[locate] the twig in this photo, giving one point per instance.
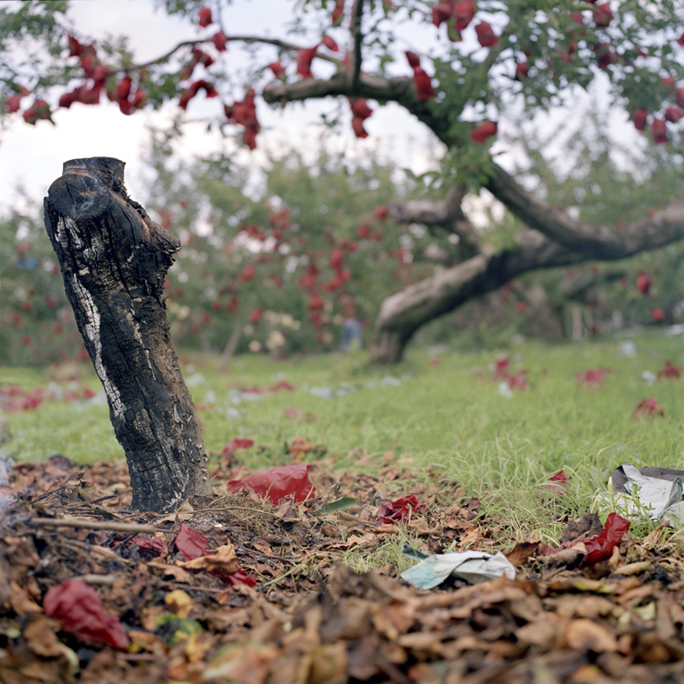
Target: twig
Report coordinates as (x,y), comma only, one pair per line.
(92,524)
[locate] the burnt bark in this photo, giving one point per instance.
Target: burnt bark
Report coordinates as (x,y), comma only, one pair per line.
(114,260)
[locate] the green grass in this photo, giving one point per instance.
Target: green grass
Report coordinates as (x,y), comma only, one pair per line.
(448,417)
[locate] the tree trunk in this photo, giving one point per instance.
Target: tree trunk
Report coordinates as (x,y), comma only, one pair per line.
(114,260)
(402,314)
(230,347)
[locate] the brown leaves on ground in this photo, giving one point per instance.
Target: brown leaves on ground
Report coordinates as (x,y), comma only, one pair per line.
(310,619)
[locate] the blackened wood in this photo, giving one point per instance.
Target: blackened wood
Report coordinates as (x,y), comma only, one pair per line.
(114,260)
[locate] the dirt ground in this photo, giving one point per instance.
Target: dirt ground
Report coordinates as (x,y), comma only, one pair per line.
(236,589)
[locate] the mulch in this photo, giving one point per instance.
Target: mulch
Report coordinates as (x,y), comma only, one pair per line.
(307,617)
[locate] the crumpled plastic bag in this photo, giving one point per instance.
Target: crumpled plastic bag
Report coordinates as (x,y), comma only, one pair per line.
(471,566)
(656,491)
(275,484)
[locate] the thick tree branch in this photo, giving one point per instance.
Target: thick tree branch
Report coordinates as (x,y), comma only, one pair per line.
(402,314)
(282,44)
(446,214)
(357,57)
(594,241)
(398,89)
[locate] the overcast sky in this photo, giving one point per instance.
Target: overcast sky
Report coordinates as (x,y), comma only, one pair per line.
(32,156)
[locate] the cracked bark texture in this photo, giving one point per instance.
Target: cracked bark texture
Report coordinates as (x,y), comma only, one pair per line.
(114,260)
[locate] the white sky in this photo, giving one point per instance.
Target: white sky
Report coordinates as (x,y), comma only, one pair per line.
(32,156)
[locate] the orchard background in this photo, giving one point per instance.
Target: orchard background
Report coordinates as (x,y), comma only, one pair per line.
(580,102)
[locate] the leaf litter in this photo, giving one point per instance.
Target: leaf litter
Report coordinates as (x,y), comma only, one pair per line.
(246,589)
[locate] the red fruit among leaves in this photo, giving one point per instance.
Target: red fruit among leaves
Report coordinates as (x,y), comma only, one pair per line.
(277,69)
(413,59)
(485,34)
(424,89)
(205,17)
(304,58)
(463,14)
(521,71)
(357,127)
(643,283)
(248,272)
(256,314)
(648,408)
(604,55)
(79,610)
(330,43)
(658,315)
(360,108)
(39,110)
(602,15)
(14,101)
(674,113)
(442,12)
(659,131)
(220,40)
(192,90)
(640,118)
(483,131)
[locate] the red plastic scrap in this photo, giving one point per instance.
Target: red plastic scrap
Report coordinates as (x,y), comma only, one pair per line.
(669,370)
(235,579)
(501,368)
(560,483)
(398,510)
(282,386)
(275,484)
(149,548)
(236,444)
(191,543)
(592,377)
(79,610)
(648,407)
(600,547)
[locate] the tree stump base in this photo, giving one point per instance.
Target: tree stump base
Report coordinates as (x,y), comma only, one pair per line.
(114,261)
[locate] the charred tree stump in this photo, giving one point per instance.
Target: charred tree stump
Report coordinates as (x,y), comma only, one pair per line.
(114,260)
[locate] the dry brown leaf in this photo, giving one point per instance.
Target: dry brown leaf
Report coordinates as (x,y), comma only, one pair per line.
(541,633)
(299,446)
(582,606)
(586,635)
(521,553)
(223,559)
(179,603)
(566,557)
(41,637)
(21,602)
(328,664)
(174,571)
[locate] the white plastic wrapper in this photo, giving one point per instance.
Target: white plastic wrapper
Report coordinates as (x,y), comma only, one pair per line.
(471,566)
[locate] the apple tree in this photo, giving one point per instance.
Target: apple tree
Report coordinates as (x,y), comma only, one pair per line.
(456,65)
